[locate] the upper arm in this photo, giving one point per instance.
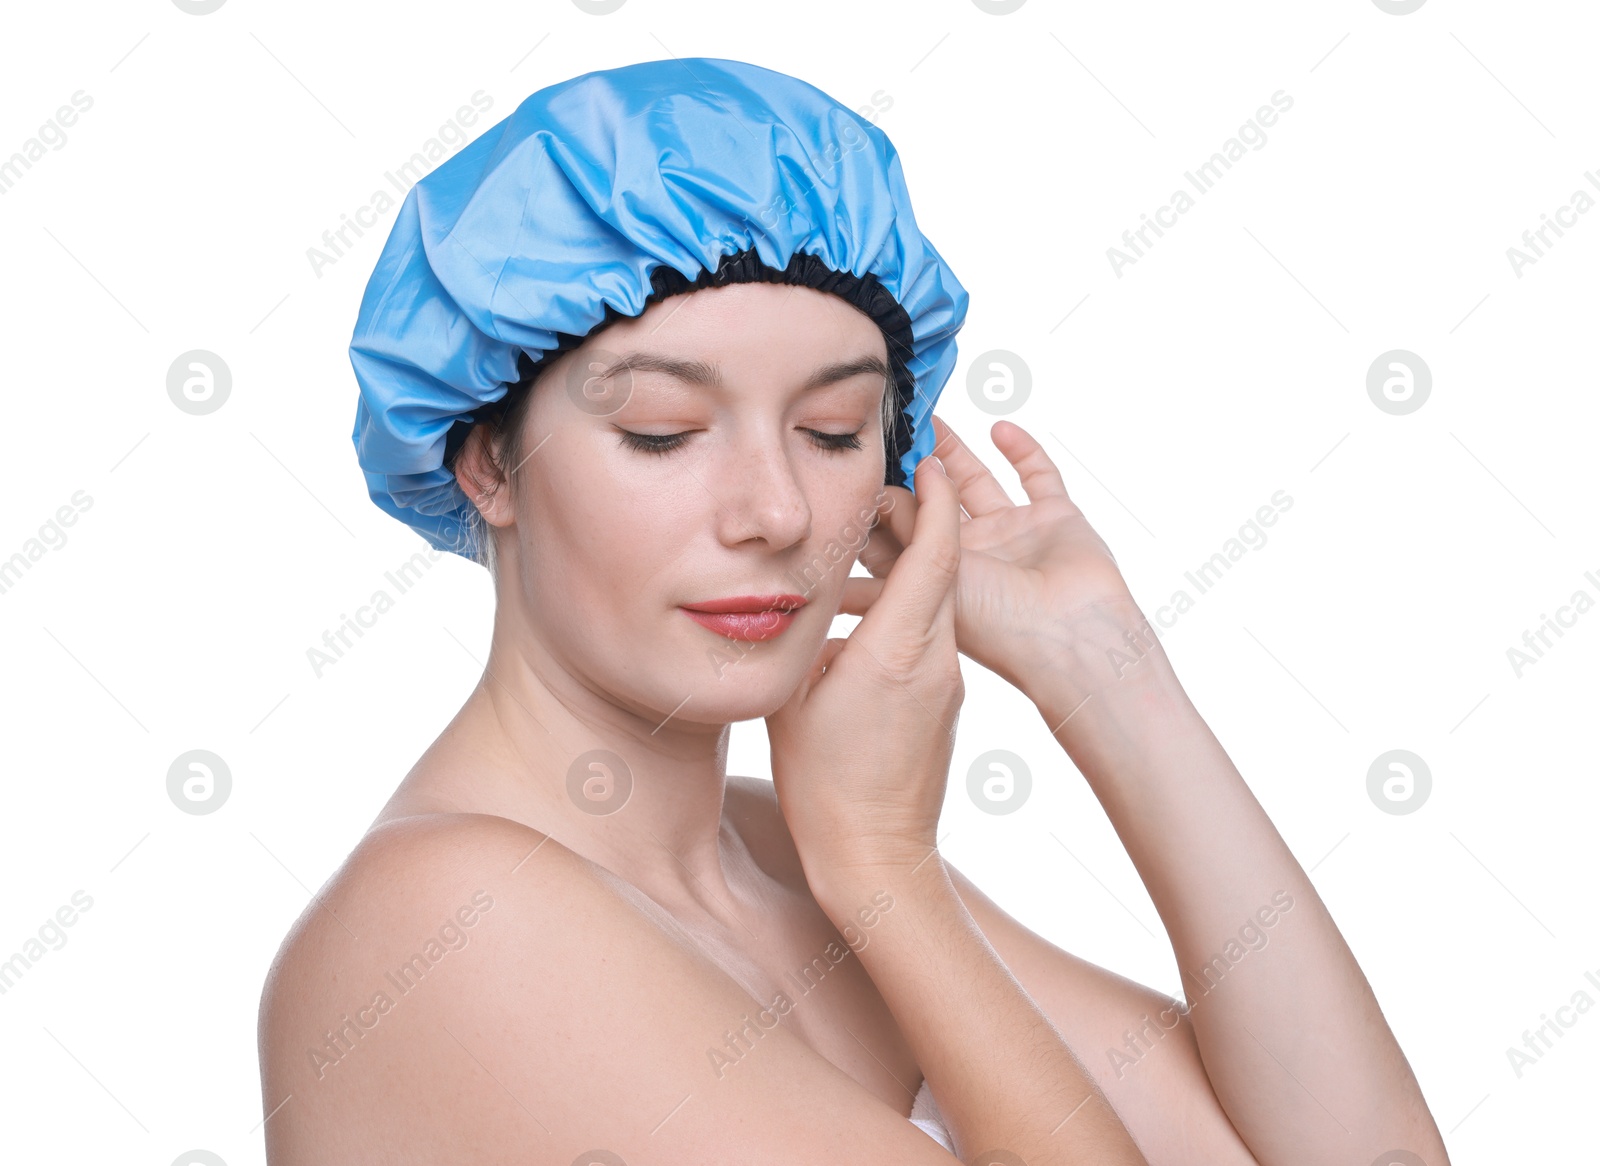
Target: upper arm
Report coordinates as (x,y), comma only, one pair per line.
(544,1014)
(1156,1081)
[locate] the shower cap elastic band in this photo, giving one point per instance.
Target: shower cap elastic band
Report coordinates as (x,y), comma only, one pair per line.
(601,195)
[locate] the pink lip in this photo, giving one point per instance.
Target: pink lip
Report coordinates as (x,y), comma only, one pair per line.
(749,603)
(746,617)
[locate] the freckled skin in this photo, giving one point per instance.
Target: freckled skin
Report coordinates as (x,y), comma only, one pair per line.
(646,906)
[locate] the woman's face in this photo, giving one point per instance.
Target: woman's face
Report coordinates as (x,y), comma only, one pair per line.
(756,469)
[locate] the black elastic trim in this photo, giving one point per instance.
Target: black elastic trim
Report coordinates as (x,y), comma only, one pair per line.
(864,293)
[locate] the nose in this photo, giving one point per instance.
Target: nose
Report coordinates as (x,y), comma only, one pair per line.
(759,497)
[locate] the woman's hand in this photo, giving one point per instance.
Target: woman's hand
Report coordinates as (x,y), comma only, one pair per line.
(1026,571)
(861,750)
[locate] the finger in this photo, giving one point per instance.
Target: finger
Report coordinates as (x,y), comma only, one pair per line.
(917,603)
(1038,473)
(880,551)
(980,492)
(819,665)
(859,595)
(897,514)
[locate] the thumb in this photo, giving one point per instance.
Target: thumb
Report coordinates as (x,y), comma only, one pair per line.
(917,599)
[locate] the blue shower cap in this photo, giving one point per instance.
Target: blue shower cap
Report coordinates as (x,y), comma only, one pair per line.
(605,193)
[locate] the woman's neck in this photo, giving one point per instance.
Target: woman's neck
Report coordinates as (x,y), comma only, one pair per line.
(644,800)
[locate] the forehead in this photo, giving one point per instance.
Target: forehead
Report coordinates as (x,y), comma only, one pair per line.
(868,371)
(714,336)
(762,311)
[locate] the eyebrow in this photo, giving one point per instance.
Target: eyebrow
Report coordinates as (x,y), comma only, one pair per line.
(700,372)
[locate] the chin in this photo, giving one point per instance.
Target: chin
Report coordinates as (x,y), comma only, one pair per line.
(738,680)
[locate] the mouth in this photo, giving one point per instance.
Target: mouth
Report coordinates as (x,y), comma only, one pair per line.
(753,618)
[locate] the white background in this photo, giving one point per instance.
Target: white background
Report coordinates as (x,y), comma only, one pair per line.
(1227,363)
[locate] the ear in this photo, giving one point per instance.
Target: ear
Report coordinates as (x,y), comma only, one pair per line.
(481,480)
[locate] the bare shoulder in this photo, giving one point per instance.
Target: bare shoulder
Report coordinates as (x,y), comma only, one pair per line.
(402,867)
(466,988)
(424,907)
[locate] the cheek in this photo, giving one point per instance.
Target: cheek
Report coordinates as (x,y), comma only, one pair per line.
(851,508)
(599,534)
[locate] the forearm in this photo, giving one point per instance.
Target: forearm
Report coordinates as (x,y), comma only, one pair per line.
(1291,1036)
(1003,1076)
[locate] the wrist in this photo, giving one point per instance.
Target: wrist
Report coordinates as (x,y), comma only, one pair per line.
(1107,652)
(843,883)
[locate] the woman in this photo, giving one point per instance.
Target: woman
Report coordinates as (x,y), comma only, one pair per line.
(660,350)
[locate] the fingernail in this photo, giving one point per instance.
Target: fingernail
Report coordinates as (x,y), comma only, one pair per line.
(940,464)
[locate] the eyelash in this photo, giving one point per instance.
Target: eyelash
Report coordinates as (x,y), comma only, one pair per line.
(662,443)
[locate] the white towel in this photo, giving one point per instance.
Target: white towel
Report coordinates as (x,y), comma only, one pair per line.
(926,1117)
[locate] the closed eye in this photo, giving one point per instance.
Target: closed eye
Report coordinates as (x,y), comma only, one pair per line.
(661,443)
